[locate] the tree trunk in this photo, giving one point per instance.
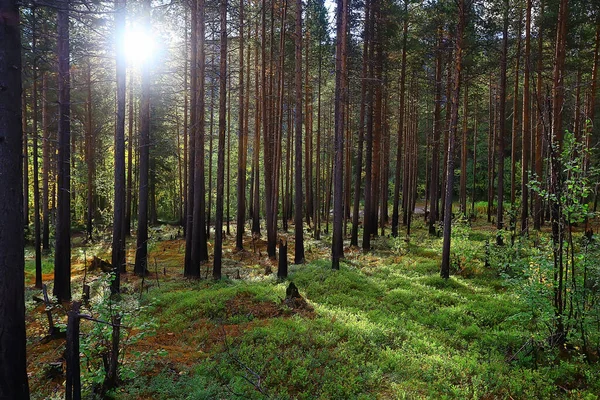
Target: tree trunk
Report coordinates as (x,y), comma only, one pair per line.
(538,214)
(141,254)
(298,228)
(36,180)
(361,130)
(118,240)
(199,251)
(218,255)
(13,360)
(463,153)
(62,259)
(445,269)
(526,127)
(502,126)
(130,147)
(396,208)
(337,248)
(46,167)
(242,150)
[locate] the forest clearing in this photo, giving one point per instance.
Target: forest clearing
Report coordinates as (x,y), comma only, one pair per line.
(384,326)
(299,199)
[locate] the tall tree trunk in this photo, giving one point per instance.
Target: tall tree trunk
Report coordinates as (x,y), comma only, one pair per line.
(502,126)
(463,153)
(337,248)
(538,215)
(526,127)
(445,269)
(490,153)
(396,207)
(141,254)
(361,129)
(366,242)
(25,148)
(13,360)
(242,150)
(255,193)
(36,178)
(130,147)
(515,128)
(118,240)
(199,252)
(298,228)
(46,167)
(218,256)
(89,154)
(434,191)
(62,259)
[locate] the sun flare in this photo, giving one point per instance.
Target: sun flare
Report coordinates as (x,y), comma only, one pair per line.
(139,45)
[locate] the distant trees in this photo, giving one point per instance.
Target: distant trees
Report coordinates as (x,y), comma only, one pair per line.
(13,375)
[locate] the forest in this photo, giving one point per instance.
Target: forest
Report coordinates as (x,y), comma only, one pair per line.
(299,199)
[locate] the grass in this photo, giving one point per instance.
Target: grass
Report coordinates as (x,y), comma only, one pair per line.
(383,326)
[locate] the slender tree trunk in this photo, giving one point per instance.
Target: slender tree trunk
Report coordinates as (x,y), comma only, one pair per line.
(118,240)
(515,128)
(502,126)
(463,153)
(130,147)
(13,359)
(258,92)
(490,154)
(526,127)
(46,167)
(366,242)
(25,143)
(199,251)
(361,130)
(141,254)
(62,259)
(36,179)
(242,150)
(445,269)
(218,256)
(337,248)
(298,228)
(434,191)
(538,215)
(89,154)
(396,208)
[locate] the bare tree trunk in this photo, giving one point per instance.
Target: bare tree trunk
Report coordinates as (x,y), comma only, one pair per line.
(141,253)
(218,255)
(199,252)
(337,250)
(242,149)
(361,129)
(62,259)
(526,127)
(118,240)
(538,215)
(463,153)
(13,359)
(502,126)
(130,148)
(434,191)
(396,209)
(298,228)
(445,269)
(46,167)
(36,178)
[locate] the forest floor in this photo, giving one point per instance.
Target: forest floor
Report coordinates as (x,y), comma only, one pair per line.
(384,326)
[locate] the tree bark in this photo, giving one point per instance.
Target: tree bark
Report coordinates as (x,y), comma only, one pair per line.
(298,197)
(141,254)
(13,360)
(218,255)
(337,250)
(502,126)
(526,127)
(62,259)
(445,269)
(118,240)
(242,150)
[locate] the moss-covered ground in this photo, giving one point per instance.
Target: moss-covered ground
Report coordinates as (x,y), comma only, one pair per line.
(384,326)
